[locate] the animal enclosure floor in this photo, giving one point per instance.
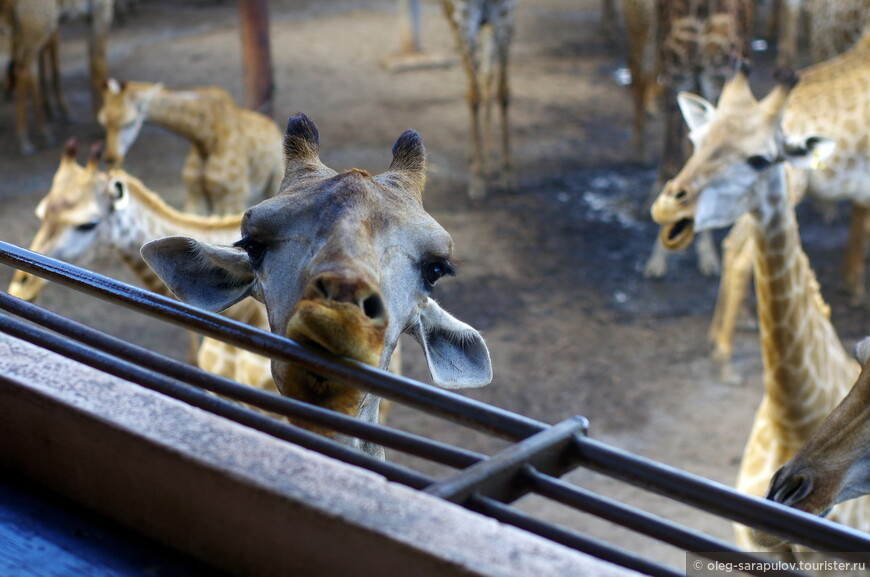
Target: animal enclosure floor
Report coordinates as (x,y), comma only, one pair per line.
(550,261)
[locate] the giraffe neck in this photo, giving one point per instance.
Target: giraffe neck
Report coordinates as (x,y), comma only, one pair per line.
(189,113)
(147,217)
(806,369)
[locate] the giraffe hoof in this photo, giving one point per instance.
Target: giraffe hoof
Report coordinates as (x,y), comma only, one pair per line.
(26,147)
(477,188)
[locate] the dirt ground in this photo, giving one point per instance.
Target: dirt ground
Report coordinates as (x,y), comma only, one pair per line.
(551,260)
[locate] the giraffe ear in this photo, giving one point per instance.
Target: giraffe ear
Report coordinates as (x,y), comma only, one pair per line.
(119,194)
(862,350)
(809,152)
(207,276)
(696,111)
(408,169)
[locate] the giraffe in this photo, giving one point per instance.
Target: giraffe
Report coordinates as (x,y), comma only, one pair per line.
(343,261)
(491,24)
(34,26)
(831,98)
(834,465)
(235,154)
(87,210)
(738,168)
(697,42)
(832,27)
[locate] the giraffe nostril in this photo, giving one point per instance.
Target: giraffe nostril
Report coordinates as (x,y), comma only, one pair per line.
(373,307)
(681,194)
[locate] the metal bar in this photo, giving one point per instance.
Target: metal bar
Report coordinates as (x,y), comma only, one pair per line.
(720,500)
(198,398)
(496,477)
(569,538)
(392,438)
(445,404)
(637,520)
(696,491)
(257,55)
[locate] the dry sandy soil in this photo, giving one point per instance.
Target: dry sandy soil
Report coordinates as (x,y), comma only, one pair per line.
(551,259)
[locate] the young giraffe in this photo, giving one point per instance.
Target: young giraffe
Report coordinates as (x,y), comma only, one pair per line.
(697,42)
(834,465)
(737,168)
(235,156)
(346,262)
(87,210)
(490,23)
(831,98)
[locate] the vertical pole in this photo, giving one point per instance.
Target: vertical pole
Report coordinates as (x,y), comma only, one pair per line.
(256,55)
(409,27)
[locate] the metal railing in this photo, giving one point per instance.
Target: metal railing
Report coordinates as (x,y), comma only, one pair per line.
(539,456)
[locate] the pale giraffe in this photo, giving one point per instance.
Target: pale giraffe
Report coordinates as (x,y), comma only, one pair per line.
(738,167)
(834,465)
(831,98)
(33,25)
(698,40)
(344,261)
(87,210)
(483,30)
(235,157)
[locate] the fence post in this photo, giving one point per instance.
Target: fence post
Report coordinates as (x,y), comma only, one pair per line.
(256,55)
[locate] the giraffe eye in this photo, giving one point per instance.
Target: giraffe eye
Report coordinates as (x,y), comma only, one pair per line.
(758,162)
(434,270)
(88,226)
(256,250)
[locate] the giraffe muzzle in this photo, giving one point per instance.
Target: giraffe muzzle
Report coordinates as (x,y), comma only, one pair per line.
(344,317)
(678,235)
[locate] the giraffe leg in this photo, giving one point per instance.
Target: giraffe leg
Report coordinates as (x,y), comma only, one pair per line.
(25,88)
(487,69)
(60,97)
(503,40)
(657,263)
(708,260)
(50,56)
(468,48)
(737,251)
(477,185)
(854,260)
(102,12)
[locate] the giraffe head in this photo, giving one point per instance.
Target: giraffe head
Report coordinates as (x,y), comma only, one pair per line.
(124,110)
(346,262)
(70,216)
(738,147)
(834,465)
